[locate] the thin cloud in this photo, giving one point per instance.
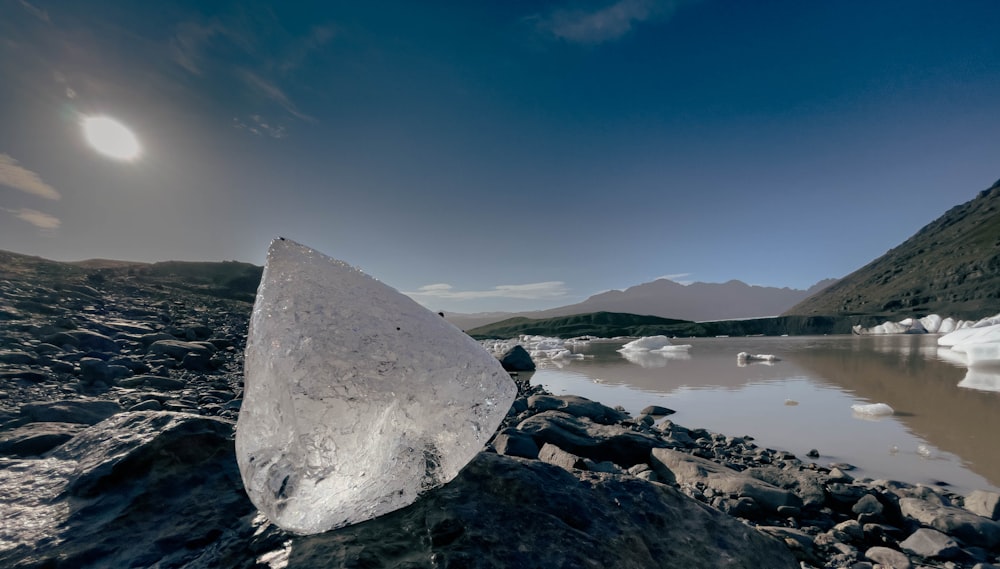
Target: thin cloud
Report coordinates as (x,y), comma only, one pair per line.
(258,125)
(301,48)
(37,218)
(273,92)
(191,40)
(20,178)
(605,24)
(530,291)
(35,11)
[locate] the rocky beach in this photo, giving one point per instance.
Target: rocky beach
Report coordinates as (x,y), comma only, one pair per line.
(120,386)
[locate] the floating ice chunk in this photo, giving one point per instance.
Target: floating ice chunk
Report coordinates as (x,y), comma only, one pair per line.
(677,348)
(872,409)
(646,344)
(357,398)
(981,379)
(748,357)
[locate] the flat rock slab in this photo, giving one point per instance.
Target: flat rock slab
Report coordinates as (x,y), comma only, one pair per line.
(577,407)
(690,469)
(931,544)
(83,411)
(35,439)
(585,438)
(169,477)
(956,522)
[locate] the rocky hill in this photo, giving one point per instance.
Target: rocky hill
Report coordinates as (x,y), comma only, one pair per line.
(665,298)
(950,267)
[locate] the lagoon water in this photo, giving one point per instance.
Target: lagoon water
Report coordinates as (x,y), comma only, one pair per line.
(945,429)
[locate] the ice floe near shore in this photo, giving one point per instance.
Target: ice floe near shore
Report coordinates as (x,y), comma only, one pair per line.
(542,349)
(873,409)
(932,324)
(744,357)
(653,344)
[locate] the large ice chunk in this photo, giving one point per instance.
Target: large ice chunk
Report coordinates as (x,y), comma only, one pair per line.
(357,399)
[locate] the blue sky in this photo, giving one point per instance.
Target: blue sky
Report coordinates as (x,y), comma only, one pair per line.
(499,155)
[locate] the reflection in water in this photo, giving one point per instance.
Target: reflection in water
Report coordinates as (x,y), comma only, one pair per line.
(805,400)
(654,359)
(906,372)
(983,379)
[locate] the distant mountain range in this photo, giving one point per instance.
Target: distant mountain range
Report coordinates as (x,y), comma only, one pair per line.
(950,267)
(668,299)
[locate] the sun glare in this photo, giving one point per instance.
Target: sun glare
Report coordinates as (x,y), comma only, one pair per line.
(111,138)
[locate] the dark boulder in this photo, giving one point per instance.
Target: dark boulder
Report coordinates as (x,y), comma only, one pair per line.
(517,359)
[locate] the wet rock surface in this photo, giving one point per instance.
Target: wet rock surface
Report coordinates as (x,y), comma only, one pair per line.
(114,453)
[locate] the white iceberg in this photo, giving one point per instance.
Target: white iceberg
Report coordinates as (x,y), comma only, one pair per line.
(872,409)
(748,357)
(651,344)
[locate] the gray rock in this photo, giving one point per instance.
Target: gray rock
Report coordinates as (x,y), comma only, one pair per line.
(982,503)
(517,359)
(852,529)
(148,405)
(552,454)
(956,522)
(34,439)
(82,411)
(94,370)
(512,442)
(148,339)
(657,411)
(868,504)
(931,543)
(690,469)
(584,438)
(89,340)
(197,361)
(17,357)
(154,382)
(578,407)
(805,484)
(177,349)
(888,558)
(137,474)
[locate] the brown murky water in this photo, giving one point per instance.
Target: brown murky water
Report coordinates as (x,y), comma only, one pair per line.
(944,430)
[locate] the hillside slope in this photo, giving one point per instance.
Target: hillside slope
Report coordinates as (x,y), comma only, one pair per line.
(950,267)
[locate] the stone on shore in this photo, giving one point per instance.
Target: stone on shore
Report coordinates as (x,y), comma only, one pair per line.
(982,503)
(516,359)
(690,469)
(585,438)
(966,526)
(931,543)
(84,411)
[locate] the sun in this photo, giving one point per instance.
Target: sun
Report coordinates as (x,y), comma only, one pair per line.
(111,138)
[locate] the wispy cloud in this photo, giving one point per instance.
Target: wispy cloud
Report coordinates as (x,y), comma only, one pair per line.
(20,178)
(35,11)
(37,218)
(191,40)
(273,92)
(301,48)
(256,124)
(530,291)
(607,23)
